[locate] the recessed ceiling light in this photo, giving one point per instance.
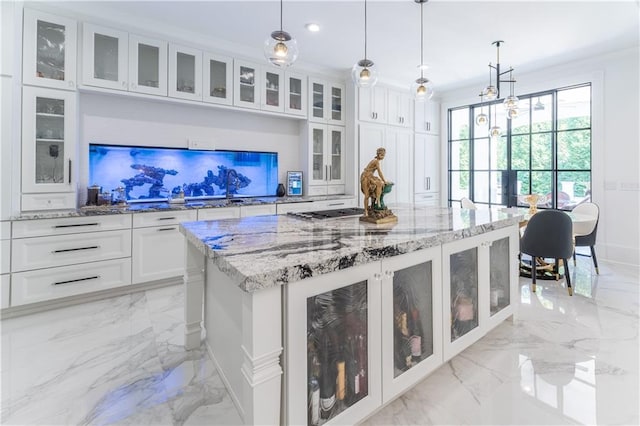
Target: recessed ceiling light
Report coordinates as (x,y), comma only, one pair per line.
(314,28)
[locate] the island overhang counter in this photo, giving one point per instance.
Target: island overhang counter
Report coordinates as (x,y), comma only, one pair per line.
(352,313)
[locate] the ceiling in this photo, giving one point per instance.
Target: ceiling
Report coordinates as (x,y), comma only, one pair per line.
(457,34)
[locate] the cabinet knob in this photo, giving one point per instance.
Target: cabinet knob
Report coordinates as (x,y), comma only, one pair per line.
(377,276)
(389,274)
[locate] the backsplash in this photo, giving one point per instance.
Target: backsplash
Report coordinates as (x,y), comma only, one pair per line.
(154,173)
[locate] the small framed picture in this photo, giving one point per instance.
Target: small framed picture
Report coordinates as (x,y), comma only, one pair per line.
(294,184)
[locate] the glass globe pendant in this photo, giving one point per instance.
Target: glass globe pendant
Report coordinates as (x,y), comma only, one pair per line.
(364,73)
(512,113)
(495,132)
(482,119)
(422,88)
(490,93)
(280,48)
(510,102)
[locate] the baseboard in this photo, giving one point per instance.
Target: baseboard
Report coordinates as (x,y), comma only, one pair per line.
(64,302)
(618,254)
(227,385)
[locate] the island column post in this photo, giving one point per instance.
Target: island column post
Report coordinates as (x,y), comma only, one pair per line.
(194,276)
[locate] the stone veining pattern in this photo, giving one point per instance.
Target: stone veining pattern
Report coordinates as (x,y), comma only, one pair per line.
(264,251)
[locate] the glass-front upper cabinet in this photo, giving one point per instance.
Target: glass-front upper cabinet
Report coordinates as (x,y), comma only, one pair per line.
(412,324)
(295,89)
(247,83)
(185,72)
(336,154)
(326,101)
(147,65)
(273,89)
(333,350)
(104,57)
(218,77)
(49,50)
(48,140)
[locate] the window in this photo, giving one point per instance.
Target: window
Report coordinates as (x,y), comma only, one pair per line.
(545,150)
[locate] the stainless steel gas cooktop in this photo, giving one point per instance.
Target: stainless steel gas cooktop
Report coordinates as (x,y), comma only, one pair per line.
(330,214)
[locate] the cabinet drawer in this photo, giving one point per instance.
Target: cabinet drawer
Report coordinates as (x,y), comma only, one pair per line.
(335,189)
(174,217)
(5,230)
(5,256)
(336,204)
(219,213)
(61,250)
(70,225)
(316,190)
(5,290)
(53,283)
(158,253)
(427,199)
(260,210)
(61,201)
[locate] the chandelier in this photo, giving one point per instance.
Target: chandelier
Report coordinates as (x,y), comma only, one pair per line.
(492,91)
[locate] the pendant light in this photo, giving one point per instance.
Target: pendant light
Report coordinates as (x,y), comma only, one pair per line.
(280,48)
(511,102)
(364,73)
(422,88)
(494,131)
(482,120)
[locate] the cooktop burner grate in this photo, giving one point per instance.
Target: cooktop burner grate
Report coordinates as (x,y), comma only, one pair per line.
(330,214)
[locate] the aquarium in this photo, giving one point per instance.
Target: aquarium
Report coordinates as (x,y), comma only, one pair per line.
(149,174)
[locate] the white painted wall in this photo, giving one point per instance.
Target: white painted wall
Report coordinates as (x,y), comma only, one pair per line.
(130,121)
(615,81)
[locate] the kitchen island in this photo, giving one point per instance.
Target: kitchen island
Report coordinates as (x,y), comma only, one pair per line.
(318,322)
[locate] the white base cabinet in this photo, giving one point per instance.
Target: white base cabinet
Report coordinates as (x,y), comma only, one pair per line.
(5,291)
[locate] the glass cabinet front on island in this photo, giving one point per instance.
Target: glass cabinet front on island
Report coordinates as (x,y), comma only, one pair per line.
(499,270)
(337,358)
(464,292)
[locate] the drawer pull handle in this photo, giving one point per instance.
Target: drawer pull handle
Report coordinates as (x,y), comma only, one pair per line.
(75,249)
(167,229)
(167,218)
(75,225)
(78,280)
(335,204)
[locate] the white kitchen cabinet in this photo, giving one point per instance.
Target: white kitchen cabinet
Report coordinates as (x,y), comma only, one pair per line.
(5,247)
(54,283)
(218,79)
(48,147)
(257,210)
(301,207)
(326,101)
(400,109)
(105,57)
(219,213)
(49,50)
(397,165)
(428,199)
(147,65)
(325,160)
(273,90)
(427,117)
(372,103)
(5,291)
(333,347)
(427,163)
(185,72)
(411,319)
(295,90)
(246,84)
(479,285)
(158,245)
(70,225)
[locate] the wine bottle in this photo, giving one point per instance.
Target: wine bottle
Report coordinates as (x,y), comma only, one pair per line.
(415,341)
(328,375)
(314,402)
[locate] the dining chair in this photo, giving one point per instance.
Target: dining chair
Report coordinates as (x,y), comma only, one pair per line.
(584,232)
(466,203)
(548,235)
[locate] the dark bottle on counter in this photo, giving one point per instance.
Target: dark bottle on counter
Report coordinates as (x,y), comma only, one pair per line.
(328,375)
(280,191)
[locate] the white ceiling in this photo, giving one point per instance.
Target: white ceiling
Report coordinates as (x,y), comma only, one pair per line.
(458,34)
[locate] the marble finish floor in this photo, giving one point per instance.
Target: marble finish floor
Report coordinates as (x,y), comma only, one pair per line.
(563,360)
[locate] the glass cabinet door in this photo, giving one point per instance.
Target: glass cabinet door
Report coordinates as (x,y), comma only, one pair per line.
(247,82)
(500,275)
(295,94)
(317,101)
(273,91)
(147,65)
(49,50)
(336,152)
(217,79)
(463,294)
(185,72)
(48,140)
(105,59)
(336,103)
(318,165)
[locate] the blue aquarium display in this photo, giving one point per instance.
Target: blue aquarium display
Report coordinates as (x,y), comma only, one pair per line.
(149,174)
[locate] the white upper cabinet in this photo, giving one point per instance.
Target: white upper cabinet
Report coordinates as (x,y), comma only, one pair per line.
(326,101)
(218,79)
(147,65)
(400,109)
(49,50)
(273,90)
(185,72)
(427,117)
(373,104)
(247,83)
(426,161)
(295,92)
(104,57)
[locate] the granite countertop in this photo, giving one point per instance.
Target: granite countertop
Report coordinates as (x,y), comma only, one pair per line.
(158,206)
(265,251)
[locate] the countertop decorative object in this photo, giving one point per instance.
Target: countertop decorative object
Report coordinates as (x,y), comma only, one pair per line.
(266,251)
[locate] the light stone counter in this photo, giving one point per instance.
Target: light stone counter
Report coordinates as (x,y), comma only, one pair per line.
(265,251)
